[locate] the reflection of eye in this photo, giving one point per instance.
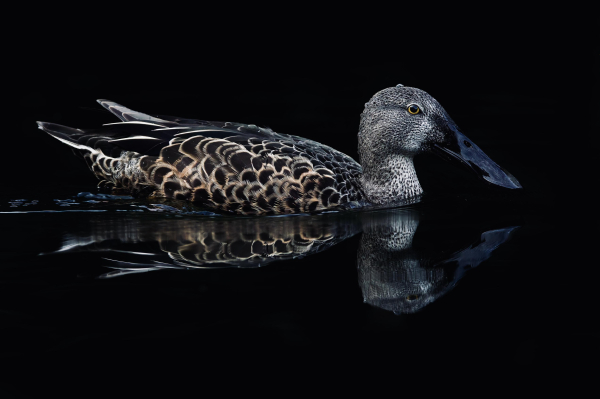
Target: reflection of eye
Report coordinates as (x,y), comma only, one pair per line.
(414,109)
(412,297)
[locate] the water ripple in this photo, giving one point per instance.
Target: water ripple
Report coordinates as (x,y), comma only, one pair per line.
(88,202)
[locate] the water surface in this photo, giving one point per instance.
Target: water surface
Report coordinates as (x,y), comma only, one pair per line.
(91,275)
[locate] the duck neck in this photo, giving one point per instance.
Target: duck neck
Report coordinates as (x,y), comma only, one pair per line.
(390,179)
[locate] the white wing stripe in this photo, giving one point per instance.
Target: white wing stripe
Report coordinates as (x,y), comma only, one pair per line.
(76,145)
(135,138)
(169,128)
(134,123)
(194,131)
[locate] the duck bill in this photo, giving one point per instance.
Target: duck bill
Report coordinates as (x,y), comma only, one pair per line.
(459,148)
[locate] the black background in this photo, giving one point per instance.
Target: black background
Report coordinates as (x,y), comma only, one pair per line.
(520,91)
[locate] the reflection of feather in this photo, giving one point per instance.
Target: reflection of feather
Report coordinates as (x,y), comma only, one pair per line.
(140,244)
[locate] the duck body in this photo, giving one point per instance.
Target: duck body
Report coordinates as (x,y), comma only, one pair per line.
(231,167)
(249,170)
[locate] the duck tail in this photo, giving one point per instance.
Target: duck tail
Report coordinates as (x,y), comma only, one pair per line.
(67,135)
(81,143)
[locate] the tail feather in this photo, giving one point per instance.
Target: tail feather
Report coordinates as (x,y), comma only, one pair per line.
(125,114)
(112,153)
(89,146)
(67,135)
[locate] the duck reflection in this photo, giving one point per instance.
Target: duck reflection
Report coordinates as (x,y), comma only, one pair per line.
(403,264)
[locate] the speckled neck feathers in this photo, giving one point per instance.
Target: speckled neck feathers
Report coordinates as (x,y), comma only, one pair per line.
(389,179)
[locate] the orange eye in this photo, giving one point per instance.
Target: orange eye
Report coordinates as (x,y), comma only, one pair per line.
(414,109)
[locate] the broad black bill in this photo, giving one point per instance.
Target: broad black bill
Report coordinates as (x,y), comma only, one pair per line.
(460,148)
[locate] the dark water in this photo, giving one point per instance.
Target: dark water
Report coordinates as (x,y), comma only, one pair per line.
(90,277)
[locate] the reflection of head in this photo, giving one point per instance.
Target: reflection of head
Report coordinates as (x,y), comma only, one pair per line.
(395,277)
(389,272)
(402,285)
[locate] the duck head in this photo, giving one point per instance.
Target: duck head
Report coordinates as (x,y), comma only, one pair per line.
(401,122)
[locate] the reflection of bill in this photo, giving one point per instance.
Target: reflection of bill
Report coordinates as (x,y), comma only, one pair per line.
(394,274)
(395,277)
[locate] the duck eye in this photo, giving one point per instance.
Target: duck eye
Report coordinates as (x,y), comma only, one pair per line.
(414,109)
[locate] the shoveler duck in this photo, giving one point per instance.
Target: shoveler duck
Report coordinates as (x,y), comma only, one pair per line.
(250,170)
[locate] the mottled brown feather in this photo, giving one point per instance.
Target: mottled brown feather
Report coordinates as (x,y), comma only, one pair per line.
(230,167)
